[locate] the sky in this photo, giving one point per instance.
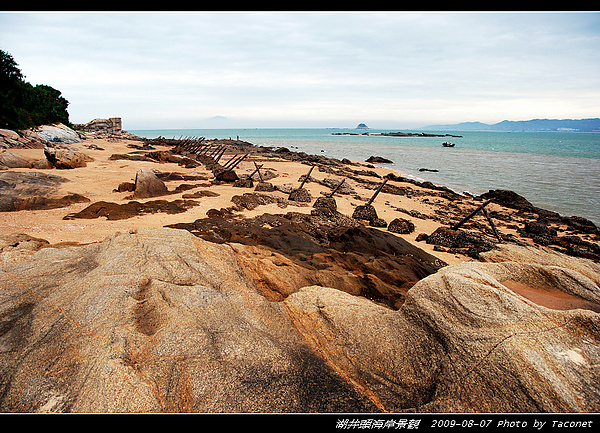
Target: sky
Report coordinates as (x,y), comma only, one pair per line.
(168,70)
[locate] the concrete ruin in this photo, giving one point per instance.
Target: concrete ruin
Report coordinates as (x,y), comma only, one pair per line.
(111,125)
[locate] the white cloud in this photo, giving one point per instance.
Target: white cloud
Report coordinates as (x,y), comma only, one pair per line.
(310,68)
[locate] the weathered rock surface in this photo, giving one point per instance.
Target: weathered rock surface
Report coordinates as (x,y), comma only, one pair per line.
(29,139)
(401,226)
(159,320)
(324,248)
(379,160)
(147,184)
(116,211)
(300,195)
(33,191)
(65,159)
(58,133)
(12,160)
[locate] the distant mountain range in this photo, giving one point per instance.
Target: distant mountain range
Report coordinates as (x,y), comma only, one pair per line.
(576,125)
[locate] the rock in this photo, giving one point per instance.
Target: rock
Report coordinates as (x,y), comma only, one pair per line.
(116,211)
(301,195)
(540,232)
(66,158)
(508,199)
(379,160)
(243,183)
(34,191)
(108,126)
(23,139)
(147,184)
(251,201)
(365,212)
(9,138)
(401,226)
(326,202)
(264,187)
(158,320)
(378,222)
(224,175)
(125,186)
(581,225)
(12,160)
(58,133)
(200,194)
(470,243)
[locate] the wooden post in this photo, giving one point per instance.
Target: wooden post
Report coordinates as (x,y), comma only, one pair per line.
(377,192)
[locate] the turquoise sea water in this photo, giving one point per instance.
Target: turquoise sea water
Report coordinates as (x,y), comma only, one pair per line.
(558,171)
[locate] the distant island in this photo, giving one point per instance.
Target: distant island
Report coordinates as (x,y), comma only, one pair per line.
(362,126)
(534,125)
(397,134)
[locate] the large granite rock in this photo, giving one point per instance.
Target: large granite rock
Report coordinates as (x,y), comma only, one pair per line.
(65,159)
(58,133)
(34,191)
(147,184)
(160,320)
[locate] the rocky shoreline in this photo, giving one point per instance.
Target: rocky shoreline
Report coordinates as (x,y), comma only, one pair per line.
(198,275)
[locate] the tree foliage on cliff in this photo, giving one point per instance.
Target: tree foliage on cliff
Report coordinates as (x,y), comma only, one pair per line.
(23,105)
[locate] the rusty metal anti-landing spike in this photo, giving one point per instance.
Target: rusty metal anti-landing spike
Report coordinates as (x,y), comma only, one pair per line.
(307,176)
(337,187)
(377,192)
(257,171)
(487,216)
(258,167)
(468,217)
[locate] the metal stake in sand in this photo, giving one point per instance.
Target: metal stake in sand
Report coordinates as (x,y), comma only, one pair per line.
(337,187)
(258,167)
(306,177)
(234,165)
(487,216)
(377,192)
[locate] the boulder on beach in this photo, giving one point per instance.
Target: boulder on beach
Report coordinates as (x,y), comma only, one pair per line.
(401,226)
(147,184)
(34,191)
(66,158)
(326,203)
(365,212)
(12,160)
(301,195)
(461,241)
(159,320)
(264,187)
(58,133)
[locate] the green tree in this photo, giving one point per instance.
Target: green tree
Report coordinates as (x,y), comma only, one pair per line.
(24,106)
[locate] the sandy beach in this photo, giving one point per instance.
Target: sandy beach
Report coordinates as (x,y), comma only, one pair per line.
(99,180)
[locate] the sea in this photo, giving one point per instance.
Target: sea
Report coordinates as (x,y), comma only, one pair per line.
(557,171)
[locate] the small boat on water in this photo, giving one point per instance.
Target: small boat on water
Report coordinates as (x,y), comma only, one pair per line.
(447,144)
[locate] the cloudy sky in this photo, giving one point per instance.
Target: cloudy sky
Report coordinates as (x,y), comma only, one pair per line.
(302,69)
